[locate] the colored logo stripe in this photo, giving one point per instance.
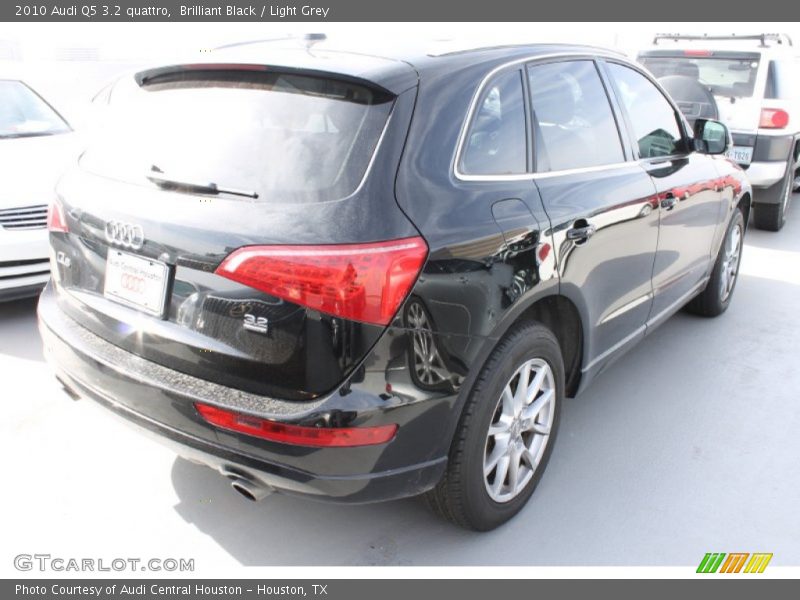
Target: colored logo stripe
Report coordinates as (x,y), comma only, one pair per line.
(711,562)
(734,562)
(758,562)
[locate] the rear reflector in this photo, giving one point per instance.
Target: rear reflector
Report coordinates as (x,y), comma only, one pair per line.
(359,282)
(296,434)
(773,118)
(55,217)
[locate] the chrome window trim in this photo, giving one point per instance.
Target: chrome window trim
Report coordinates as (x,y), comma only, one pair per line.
(579,170)
(459,175)
(549,174)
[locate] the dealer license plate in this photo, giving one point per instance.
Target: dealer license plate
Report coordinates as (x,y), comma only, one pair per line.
(138,282)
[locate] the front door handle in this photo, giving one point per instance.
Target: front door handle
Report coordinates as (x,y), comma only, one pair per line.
(581,234)
(668,202)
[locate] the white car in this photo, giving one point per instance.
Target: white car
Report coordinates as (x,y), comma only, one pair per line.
(36,144)
(752,84)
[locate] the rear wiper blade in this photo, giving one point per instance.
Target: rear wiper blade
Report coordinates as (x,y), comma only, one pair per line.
(204,187)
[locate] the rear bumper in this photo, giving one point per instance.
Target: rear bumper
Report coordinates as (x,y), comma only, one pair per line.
(160,402)
(771,154)
(766,174)
(16,291)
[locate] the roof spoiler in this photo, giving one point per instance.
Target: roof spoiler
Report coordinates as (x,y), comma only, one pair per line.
(779,38)
(252,71)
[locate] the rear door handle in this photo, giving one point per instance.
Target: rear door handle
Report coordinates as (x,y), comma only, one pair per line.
(581,234)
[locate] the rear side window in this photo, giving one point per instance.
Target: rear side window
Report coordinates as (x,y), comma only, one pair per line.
(496,143)
(652,117)
(286,137)
(574,124)
(783,80)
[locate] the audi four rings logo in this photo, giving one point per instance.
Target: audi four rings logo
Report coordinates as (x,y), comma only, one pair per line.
(124,234)
(133,283)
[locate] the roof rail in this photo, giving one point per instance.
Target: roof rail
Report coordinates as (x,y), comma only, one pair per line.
(780,38)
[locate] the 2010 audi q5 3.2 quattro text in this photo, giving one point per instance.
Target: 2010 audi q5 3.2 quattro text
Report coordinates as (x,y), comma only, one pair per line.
(359,276)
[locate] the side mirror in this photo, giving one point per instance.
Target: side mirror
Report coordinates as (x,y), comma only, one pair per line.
(711,137)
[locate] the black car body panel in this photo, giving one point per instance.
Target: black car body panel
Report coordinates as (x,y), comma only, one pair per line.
(500,249)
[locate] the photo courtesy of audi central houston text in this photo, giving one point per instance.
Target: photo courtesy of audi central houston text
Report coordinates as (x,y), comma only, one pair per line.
(354,274)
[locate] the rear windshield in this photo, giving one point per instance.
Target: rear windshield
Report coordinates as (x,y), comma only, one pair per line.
(729,77)
(281,136)
(24,114)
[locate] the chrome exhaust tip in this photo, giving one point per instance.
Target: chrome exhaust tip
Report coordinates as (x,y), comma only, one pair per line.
(246,486)
(250,491)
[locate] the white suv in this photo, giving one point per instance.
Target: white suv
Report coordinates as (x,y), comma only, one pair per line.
(36,145)
(752,84)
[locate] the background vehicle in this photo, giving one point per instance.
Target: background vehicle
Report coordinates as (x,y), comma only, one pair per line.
(35,146)
(360,276)
(752,84)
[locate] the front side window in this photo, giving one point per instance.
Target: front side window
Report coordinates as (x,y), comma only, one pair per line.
(654,122)
(574,124)
(496,143)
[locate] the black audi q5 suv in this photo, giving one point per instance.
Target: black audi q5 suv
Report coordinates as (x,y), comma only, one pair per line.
(358,276)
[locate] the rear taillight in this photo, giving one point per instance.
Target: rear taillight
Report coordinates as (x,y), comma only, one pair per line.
(773,118)
(296,434)
(359,282)
(55,217)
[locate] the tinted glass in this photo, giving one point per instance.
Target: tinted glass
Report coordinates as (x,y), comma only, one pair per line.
(25,114)
(496,143)
(729,77)
(574,125)
(286,137)
(654,122)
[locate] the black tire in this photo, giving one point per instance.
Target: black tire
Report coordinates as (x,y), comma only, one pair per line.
(461,496)
(771,216)
(711,302)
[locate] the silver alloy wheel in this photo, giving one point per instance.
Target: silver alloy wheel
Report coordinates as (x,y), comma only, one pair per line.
(428,365)
(520,430)
(730,262)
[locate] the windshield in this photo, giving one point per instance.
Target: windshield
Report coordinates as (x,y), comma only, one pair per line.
(729,77)
(24,114)
(285,137)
